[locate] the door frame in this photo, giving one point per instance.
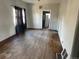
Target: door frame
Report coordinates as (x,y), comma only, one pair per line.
(16,7)
(22,24)
(43,20)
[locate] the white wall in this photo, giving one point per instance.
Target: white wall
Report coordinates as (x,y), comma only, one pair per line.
(37,15)
(6,17)
(29,15)
(67,23)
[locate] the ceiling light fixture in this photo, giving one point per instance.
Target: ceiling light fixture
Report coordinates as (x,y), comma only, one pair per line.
(38,0)
(40,7)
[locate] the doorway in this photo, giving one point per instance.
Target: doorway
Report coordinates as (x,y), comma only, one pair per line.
(45,19)
(20,18)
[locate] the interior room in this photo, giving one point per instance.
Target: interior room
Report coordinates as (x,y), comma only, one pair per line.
(39,29)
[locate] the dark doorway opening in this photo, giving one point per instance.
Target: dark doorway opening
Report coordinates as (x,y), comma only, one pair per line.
(20,17)
(45,19)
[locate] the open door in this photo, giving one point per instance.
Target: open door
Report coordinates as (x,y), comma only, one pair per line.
(20,17)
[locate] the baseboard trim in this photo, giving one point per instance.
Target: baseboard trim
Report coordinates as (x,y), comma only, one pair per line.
(53,30)
(60,39)
(7,39)
(34,29)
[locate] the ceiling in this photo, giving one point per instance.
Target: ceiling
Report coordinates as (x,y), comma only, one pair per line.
(42,1)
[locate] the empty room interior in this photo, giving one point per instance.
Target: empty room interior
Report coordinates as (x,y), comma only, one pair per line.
(39,29)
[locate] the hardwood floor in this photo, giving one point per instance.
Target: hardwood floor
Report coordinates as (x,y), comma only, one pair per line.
(34,44)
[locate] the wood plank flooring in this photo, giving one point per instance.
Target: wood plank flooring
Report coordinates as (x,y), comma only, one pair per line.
(34,44)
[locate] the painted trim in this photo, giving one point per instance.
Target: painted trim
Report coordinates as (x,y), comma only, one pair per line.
(7,39)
